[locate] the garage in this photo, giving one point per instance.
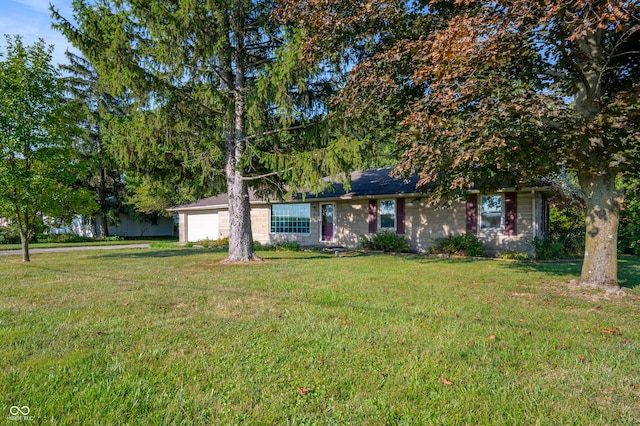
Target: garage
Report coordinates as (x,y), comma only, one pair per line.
(202,226)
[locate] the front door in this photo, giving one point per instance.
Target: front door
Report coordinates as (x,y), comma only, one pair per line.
(327,222)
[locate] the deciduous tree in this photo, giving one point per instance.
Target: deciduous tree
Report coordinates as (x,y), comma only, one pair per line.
(509,91)
(40,170)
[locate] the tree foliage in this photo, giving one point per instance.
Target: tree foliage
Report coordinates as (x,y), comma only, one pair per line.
(223,97)
(98,109)
(494,92)
(39,167)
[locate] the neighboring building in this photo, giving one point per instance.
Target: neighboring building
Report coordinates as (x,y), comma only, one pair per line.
(126,227)
(130,227)
(507,219)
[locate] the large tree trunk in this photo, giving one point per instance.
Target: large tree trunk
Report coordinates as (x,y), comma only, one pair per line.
(600,267)
(240,234)
(597,179)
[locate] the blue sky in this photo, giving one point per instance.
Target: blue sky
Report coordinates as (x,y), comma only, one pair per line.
(32,20)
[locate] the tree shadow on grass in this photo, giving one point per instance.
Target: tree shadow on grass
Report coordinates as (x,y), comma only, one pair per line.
(153,253)
(628,269)
(186,252)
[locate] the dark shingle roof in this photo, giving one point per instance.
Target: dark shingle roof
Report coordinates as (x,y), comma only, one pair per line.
(368,183)
(371,183)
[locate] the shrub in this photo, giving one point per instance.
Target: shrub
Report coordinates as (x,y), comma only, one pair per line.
(567,229)
(288,246)
(65,238)
(219,244)
(629,233)
(460,245)
(513,255)
(9,235)
(545,249)
(387,241)
(257,245)
(566,235)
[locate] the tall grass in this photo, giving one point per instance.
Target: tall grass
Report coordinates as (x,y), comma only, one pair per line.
(175,336)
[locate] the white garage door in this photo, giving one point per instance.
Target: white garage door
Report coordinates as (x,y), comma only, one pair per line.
(202,226)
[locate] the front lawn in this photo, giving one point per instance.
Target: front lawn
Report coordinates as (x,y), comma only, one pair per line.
(174,336)
(96,242)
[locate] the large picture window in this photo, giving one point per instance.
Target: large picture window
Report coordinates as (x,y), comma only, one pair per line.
(290,218)
(387,214)
(490,212)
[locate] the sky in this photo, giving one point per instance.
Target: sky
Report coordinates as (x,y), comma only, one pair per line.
(32,20)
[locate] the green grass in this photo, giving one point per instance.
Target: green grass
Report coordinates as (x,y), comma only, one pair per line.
(155,241)
(174,336)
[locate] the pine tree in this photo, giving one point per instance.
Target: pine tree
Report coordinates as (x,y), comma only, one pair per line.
(98,109)
(221,89)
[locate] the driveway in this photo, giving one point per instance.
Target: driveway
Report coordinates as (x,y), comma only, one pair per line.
(79,248)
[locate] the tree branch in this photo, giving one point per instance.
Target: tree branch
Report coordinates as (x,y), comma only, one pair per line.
(249,178)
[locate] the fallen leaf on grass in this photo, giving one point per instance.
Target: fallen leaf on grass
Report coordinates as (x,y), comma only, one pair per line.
(625,340)
(614,331)
(492,337)
(303,391)
(446,382)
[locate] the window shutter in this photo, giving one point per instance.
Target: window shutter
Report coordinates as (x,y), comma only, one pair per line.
(472,214)
(510,213)
(400,216)
(373,216)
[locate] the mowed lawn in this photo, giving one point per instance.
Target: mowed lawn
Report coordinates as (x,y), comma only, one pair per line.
(174,336)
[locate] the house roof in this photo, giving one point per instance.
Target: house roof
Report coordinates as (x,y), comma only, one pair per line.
(218,201)
(364,184)
(369,183)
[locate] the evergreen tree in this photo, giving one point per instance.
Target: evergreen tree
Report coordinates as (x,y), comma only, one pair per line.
(221,89)
(98,109)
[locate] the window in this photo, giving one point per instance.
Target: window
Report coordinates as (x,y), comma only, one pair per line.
(387,214)
(290,218)
(490,212)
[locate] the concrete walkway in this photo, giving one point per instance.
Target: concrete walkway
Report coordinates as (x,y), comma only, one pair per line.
(78,248)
